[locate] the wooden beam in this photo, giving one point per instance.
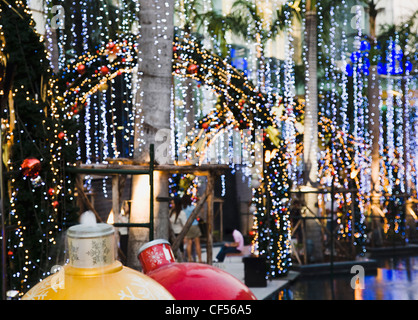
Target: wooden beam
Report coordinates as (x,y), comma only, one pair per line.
(118,167)
(186,227)
(132,168)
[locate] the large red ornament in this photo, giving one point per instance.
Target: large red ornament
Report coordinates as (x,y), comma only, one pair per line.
(192,68)
(61,135)
(110,46)
(81,68)
(51,191)
(31,167)
(189,281)
(104,70)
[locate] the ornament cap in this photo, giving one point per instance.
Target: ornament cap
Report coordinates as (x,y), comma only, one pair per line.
(151,244)
(155,254)
(82,231)
(91,244)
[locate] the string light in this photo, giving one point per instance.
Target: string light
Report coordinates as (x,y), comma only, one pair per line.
(231,110)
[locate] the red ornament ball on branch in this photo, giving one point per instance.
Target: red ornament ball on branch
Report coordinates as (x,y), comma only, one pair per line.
(81,69)
(104,70)
(31,167)
(51,191)
(192,68)
(205,125)
(112,47)
(61,135)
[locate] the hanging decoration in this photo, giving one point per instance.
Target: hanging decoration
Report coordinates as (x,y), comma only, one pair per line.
(31,167)
(34,152)
(86,116)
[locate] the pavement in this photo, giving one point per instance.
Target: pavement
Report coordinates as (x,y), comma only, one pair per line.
(234,265)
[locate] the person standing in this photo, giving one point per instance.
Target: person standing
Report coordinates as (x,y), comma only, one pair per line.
(233,247)
(178,217)
(123,232)
(194,233)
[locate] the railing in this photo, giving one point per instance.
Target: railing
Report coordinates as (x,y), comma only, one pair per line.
(116,171)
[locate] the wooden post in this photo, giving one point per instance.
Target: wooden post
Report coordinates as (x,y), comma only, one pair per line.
(305,247)
(221,227)
(209,238)
(115,204)
(353,223)
(151,186)
(115,198)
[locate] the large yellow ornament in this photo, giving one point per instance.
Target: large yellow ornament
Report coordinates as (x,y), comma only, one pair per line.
(93,273)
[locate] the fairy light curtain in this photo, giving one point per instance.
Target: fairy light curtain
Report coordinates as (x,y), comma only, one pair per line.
(93,25)
(86,59)
(257,118)
(106,115)
(244,109)
(343,123)
(40,198)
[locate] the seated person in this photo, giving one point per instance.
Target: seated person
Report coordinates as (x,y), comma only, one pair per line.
(235,247)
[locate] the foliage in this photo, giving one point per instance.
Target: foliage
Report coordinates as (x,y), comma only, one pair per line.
(39,208)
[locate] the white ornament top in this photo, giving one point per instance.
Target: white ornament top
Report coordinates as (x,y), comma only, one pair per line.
(91,245)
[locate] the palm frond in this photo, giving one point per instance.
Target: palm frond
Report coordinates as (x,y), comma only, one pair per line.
(246,7)
(288,10)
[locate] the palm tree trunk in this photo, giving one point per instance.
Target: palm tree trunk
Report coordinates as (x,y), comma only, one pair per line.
(374,129)
(310,139)
(154,72)
(154,98)
(374,116)
(310,154)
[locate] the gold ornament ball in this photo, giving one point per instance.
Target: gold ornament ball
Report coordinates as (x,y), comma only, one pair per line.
(93,273)
(113,282)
